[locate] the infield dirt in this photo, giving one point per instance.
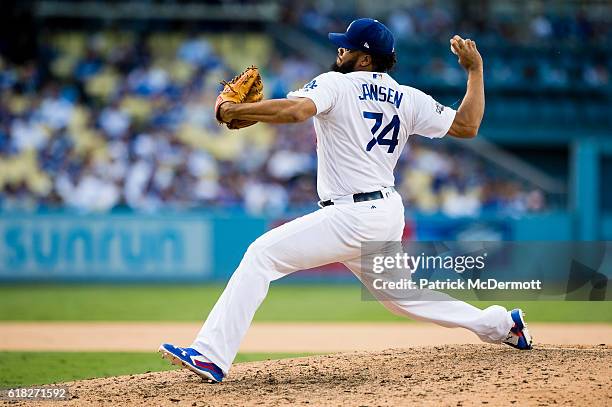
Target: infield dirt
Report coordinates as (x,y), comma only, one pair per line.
(452,375)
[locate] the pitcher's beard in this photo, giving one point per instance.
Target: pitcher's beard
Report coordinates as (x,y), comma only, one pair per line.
(346,67)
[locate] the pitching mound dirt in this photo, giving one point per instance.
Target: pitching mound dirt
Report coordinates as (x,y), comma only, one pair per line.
(456,375)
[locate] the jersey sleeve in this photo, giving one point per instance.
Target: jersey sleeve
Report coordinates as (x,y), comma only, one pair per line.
(322,90)
(430,118)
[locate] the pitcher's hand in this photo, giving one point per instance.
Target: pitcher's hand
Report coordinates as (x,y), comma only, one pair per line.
(468,54)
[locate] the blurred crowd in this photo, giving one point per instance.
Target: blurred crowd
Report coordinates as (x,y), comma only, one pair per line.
(457,183)
(110,120)
(522,23)
(547,47)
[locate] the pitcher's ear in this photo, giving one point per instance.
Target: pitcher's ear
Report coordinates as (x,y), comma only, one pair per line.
(365,60)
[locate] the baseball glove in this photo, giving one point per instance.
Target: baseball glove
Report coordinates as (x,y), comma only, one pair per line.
(244,88)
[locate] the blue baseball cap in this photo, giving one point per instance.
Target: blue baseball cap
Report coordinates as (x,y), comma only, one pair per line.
(365,34)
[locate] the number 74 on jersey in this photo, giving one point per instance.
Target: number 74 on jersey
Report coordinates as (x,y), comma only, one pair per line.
(380,139)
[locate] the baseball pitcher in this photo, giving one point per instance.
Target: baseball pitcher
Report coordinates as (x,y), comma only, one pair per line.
(362,118)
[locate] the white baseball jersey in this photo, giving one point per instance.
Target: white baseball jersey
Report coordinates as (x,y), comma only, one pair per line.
(362,123)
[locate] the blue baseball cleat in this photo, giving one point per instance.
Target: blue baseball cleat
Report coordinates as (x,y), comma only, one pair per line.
(193,360)
(519,336)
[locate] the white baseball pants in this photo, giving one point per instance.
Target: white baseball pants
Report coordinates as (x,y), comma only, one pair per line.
(332,234)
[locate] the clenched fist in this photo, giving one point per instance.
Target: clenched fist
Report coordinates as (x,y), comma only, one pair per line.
(468,54)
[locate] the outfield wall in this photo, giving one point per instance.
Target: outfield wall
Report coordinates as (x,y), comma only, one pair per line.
(194,246)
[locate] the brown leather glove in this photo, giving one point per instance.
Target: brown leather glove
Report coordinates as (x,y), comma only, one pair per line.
(244,88)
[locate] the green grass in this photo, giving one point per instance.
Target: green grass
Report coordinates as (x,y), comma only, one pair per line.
(72,302)
(30,368)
